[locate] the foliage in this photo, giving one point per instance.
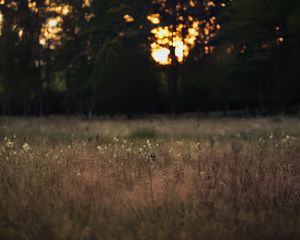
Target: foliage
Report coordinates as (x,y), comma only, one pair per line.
(102,64)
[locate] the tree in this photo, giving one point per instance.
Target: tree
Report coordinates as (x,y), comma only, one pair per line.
(265,45)
(177,27)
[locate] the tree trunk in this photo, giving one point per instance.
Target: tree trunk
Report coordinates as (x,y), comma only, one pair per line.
(173,84)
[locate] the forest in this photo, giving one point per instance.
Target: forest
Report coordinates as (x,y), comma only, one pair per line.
(149,119)
(110,57)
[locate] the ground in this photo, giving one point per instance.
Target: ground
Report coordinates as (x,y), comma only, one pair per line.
(214,178)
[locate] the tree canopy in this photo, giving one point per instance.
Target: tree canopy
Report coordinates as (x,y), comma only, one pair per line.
(110,57)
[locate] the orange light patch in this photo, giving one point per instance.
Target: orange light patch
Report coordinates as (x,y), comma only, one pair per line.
(128,18)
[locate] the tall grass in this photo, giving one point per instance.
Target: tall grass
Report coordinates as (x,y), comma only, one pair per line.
(208,179)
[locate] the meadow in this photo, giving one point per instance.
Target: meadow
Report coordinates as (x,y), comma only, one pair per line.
(210,178)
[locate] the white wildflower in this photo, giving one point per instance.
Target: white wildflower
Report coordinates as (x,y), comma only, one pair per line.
(26,147)
(99,148)
(10,144)
(271,136)
(148,143)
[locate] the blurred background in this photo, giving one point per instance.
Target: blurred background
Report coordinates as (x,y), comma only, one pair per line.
(135,58)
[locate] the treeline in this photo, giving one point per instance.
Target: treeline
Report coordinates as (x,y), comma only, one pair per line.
(82,57)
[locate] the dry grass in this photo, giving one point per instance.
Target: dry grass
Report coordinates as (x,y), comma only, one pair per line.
(161,179)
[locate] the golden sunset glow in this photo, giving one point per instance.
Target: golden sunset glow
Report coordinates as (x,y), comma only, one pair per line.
(33,6)
(165,39)
(21,33)
(160,54)
(63,9)
(154,18)
(171,42)
(86,3)
(128,18)
(12,5)
(52,31)
(1,23)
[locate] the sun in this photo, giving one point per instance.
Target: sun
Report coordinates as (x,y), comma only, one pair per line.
(176,30)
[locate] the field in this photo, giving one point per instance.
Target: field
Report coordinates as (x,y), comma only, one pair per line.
(209,178)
